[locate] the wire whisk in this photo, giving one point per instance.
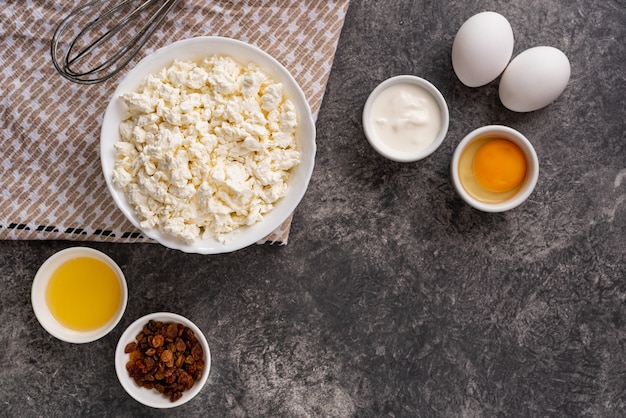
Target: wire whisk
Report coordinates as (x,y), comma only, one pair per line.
(108,42)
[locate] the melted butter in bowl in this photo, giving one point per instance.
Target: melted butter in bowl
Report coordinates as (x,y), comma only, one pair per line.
(79,295)
(84,293)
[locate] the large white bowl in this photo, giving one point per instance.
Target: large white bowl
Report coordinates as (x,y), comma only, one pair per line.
(151,397)
(196,49)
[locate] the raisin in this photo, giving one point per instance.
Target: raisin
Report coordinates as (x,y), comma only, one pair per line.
(172,331)
(130,347)
(192,368)
(189,335)
(197,352)
(183,378)
(166,356)
(157,341)
(179,360)
(149,361)
(180,345)
(153,326)
(135,355)
(139,364)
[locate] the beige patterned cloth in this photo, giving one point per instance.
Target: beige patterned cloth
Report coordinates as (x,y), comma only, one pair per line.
(50,176)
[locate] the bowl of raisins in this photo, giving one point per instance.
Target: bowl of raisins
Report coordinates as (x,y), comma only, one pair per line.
(162,360)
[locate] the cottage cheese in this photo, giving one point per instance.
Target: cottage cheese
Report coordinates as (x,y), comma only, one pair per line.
(206,147)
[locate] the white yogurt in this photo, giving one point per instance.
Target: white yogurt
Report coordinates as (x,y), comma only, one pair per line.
(405,117)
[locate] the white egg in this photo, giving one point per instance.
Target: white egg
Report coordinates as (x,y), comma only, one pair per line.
(534,79)
(482,48)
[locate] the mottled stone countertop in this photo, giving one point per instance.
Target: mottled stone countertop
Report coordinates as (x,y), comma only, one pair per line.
(393,297)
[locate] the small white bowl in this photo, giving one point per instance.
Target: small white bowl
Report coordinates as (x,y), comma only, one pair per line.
(40,306)
(532,167)
(380,145)
(151,397)
(196,49)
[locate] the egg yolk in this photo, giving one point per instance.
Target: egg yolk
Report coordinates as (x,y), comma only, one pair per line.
(499,165)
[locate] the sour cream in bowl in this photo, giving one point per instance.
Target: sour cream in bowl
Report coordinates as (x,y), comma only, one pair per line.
(405,118)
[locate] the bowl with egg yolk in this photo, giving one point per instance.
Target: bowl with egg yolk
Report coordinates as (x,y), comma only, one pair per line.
(494,168)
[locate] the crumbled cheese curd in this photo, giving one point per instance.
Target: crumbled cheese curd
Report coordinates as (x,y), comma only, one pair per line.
(206,147)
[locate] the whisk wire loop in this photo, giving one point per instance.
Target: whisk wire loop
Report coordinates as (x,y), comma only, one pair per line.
(74,64)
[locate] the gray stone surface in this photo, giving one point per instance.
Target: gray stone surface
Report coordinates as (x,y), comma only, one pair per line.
(393,298)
